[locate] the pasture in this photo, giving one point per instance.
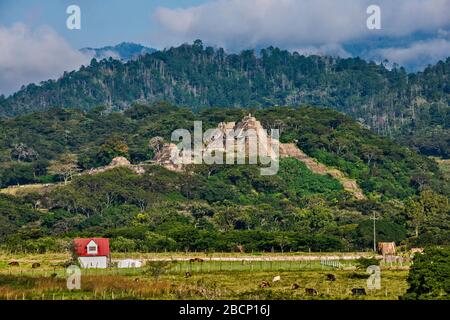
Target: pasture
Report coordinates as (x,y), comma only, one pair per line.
(231,278)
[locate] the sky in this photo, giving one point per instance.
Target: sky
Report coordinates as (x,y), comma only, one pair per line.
(36,45)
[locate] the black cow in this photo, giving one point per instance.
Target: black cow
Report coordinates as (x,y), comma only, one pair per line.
(311,291)
(331,277)
(358,291)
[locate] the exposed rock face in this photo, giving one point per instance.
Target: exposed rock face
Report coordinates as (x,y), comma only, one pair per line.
(120,162)
(165,157)
(116,163)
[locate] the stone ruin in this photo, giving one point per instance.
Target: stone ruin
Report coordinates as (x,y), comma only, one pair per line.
(169,156)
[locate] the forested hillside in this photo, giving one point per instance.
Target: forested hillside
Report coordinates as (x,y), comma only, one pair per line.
(411,107)
(213,207)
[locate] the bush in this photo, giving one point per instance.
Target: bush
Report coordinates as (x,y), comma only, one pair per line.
(364,263)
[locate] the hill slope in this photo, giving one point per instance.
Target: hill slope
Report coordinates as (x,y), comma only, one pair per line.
(378,164)
(214,207)
(391,102)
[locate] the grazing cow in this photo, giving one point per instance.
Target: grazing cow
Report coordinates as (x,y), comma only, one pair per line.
(187,274)
(295,286)
(35,265)
(136,280)
(358,291)
(196,260)
(264,284)
(276,279)
(331,277)
(13,264)
(311,291)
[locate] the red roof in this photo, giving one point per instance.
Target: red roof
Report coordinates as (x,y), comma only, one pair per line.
(82,243)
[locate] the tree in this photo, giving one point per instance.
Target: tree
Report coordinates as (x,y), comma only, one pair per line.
(429,276)
(21,152)
(429,212)
(157,268)
(65,167)
(112,148)
(156,144)
(416,214)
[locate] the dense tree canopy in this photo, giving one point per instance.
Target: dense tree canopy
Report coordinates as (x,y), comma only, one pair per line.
(214,207)
(414,107)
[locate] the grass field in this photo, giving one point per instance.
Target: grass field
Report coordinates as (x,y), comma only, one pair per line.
(211,279)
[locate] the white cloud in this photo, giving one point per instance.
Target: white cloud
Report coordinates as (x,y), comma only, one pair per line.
(238,24)
(28,56)
(417,55)
(331,49)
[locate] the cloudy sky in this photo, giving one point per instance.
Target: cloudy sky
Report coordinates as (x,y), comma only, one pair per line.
(36,45)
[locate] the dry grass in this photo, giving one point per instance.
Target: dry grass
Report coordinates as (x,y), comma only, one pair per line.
(210,286)
(30,188)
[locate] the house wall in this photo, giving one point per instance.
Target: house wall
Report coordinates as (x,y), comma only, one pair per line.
(93,262)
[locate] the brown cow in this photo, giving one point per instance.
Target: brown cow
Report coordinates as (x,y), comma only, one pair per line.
(295,286)
(311,291)
(196,260)
(187,274)
(13,264)
(264,284)
(35,265)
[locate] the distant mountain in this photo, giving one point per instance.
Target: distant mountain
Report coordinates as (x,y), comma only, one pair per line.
(389,101)
(124,51)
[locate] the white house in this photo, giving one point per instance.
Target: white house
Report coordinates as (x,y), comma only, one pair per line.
(92,252)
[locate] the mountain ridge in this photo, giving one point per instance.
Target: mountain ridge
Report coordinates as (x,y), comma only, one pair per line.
(123,51)
(413,106)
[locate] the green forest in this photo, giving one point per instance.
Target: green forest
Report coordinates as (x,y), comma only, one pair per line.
(218,207)
(412,108)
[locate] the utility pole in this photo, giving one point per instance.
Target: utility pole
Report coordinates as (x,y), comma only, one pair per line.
(374,218)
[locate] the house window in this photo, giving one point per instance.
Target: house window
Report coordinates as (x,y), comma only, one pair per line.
(92,248)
